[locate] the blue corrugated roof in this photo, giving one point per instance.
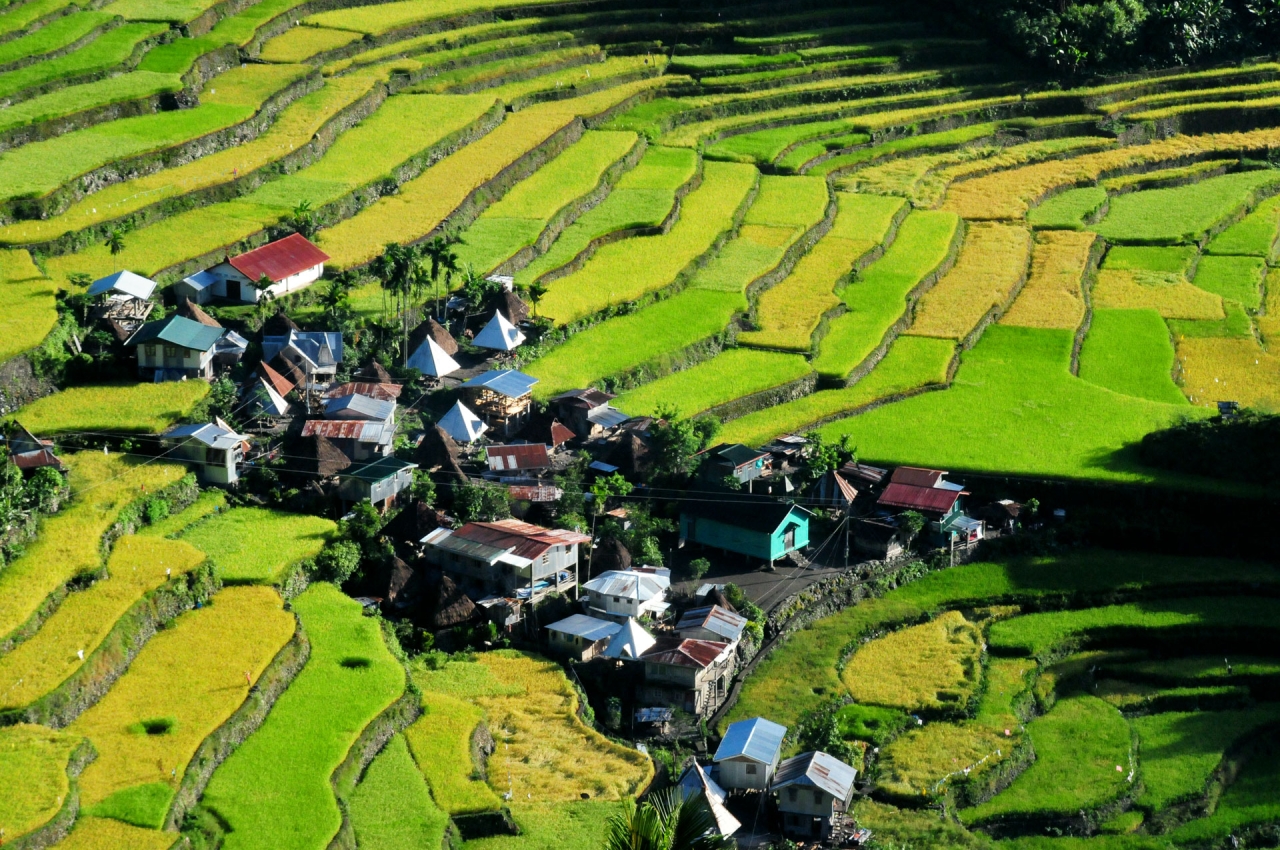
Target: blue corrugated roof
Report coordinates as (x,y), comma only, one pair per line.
(757,739)
(588,628)
(509,382)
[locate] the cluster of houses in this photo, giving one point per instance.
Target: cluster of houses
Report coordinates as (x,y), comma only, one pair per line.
(812,791)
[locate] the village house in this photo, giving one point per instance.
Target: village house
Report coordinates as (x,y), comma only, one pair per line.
(174,349)
(314,355)
(879,538)
(581,636)
(758,527)
(587,412)
(290,264)
(461,424)
(503,398)
(355,406)
(358,439)
(124,300)
(508,556)
(711,622)
(630,643)
(29,453)
(693,675)
(733,460)
(378,481)
(216,452)
(530,457)
(748,754)
(812,789)
(619,594)
(499,334)
(927,492)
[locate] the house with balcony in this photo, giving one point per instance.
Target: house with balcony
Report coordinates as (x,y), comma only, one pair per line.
(619,594)
(507,557)
(693,675)
(175,349)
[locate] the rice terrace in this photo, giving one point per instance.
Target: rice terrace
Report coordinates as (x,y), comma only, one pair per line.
(606,425)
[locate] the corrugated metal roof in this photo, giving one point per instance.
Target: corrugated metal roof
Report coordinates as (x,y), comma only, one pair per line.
(382,392)
(530,493)
(378,470)
(178,331)
(917,476)
(201,280)
(585,627)
(699,654)
(206,433)
(127,282)
(508,458)
(819,770)
(365,431)
(607,417)
(588,398)
(715,619)
(359,406)
(280,259)
(278,382)
(322,348)
(737,454)
(757,739)
(629,583)
(508,382)
(521,538)
(915,498)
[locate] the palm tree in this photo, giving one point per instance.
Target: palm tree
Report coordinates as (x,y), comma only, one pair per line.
(668,820)
(401,271)
(444,260)
(115,241)
(536,291)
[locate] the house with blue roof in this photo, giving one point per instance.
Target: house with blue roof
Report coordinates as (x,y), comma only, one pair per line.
(748,754)
(503,398)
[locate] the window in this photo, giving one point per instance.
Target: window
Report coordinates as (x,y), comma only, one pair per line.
(793,794)
(616,599)
(817,798)
(751,769)
(153,351)
(171,351)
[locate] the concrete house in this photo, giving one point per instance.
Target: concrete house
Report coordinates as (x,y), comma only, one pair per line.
(813,789)
(691,674)
(377,481)
(216,453)
(508,557)
(712,622)
(291,263)
(733,460)
(758,527)
(175,348)
(313,354)
(587,412)
(358,439)
(581,636)
(618,594)
(748,754)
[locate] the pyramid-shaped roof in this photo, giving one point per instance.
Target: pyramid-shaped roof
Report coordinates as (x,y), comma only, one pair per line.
(632,642)
(430,359)
(499,334)
(461,424)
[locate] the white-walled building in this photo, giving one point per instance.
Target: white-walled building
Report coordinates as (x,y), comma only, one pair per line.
(291,263)
(748,754)
(619,594)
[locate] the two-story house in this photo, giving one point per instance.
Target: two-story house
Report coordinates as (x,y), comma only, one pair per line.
(587,412)
(214,451)
(812,790)
(619,594)
(313,355)
(175,348)
(691,674)
(748,754)
(711,622)
(508,557)
(927,492)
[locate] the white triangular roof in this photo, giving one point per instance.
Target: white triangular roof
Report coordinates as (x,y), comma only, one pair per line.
(632,642)
(430,359)
(499,334)
(124,281)
(461,424)
(698,779)
(267,397)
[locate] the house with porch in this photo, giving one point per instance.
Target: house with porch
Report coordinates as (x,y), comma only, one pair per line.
(812,789)
(288,264)
(748,754)
(693,675)
(217,453)
(758,527)
(581,636)
(508,557)
(174,349)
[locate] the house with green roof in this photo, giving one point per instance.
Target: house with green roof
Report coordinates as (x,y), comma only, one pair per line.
(378,481)
(175,348)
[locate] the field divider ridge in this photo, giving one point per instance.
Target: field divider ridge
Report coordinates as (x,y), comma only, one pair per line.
(297,159)
(904,321)
(215,749)
(64,49)
(83,185)
(599,242)
(140,50)
(41,22)
(574,210)
(53,831)
(1096,252)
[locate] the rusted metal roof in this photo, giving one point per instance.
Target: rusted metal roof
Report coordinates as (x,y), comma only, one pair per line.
(36,459)
(917,477)
(818,770)
(343,429)
(713,618)
(521,538)
(698,654)
(917,498)
(280,259)
(588,398)
(508,458)
(382,392)
(528,493)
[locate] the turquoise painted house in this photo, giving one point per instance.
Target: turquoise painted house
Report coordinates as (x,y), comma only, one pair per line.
(756,527)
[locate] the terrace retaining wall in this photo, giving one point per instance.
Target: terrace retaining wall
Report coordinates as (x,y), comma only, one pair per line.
(58,827)
(215,749)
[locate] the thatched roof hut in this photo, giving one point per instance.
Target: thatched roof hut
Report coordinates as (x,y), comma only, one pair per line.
(324,458)
(432,329)
(279,325)
(451,607)
(610,555)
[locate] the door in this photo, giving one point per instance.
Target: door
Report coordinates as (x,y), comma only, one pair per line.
(789,539)
(233,290)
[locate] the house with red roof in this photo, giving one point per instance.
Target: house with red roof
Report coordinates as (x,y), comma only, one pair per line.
(507,557)
(688,673)
(927,492)
(290,264)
